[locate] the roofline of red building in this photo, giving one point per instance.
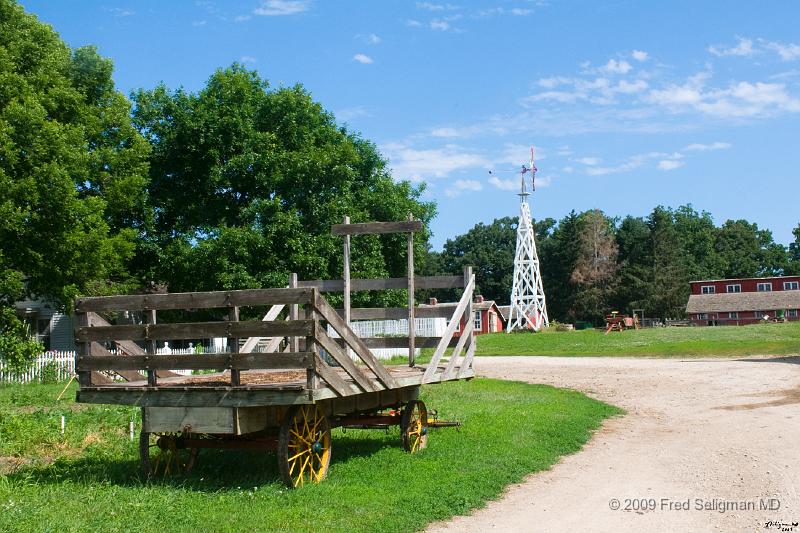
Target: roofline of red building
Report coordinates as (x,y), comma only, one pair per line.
(741,279)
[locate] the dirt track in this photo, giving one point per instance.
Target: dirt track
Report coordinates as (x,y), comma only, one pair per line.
(716,430)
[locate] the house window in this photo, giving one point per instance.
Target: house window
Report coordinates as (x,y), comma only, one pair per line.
(791,285)
(43,331)
(791,313)
(478,324)
(764,314)
(708,289)
(702,316)
(733,314)
(764,287)
(733,288)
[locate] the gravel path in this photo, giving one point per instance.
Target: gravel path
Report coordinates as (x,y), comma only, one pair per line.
(707,432)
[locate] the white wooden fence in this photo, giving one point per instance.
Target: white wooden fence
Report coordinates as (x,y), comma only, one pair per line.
(423,327)
(62,363)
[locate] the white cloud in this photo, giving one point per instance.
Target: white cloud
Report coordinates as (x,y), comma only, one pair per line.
(743,48)
(413,23)
(120,11)
(429,6)
(199,23)
(698,147)
(507,184)
(460,186)
(787,51)
(669,164)
(639,55)
(440,25)
(616,67)
(248,59)
(242,18)
(277,8)
(589,161)
(373,39)
(521,12)
(349,113)
(363,59)
(414,164)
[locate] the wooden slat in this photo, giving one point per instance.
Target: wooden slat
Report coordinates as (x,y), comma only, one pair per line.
(240,361)
(171,397)
(339,355)
(462,340)
(466,364)
(271,315)
(195,300)
(466,298)
(128,347)
(353,341)
(195,330)
(376,228)
(330,377)
(378,284)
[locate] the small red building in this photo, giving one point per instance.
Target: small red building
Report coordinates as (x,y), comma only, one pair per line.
(486,315)
(743,301)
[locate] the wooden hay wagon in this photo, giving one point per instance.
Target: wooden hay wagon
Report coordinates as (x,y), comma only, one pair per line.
(282,385)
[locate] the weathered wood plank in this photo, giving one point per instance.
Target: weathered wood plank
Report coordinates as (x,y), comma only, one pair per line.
(410,275)
(330,377)
(200,419)
(449,370)
(339,355)
(455,320)
(376,228)
(352,340)
(420,282)
(240,361)
(271,315)
(195,330)
(166,397)
(195,300)
(466,364)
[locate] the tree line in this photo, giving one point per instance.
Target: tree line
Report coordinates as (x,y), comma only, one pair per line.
(592,264)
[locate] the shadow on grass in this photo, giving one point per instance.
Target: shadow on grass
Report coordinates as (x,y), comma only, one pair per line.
(214,471)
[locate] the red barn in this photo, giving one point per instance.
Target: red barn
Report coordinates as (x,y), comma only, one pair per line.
(486,315)
(743,301)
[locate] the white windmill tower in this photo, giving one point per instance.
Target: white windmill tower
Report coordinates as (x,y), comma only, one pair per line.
(528,308)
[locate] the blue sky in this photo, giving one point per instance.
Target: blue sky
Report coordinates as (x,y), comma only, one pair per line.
(629,104)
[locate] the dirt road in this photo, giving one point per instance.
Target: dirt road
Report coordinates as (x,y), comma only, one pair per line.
(709,433)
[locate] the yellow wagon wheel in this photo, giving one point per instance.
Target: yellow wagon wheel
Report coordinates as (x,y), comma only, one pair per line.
(414,426)
(304,446)
(162,455)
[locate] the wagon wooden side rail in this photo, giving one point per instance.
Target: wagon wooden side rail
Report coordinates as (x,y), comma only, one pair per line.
(303,363)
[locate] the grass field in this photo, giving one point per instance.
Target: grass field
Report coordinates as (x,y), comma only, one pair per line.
(729,341)
(87,479)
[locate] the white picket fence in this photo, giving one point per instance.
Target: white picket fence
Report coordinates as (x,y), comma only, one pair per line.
(423,327)
(63,363)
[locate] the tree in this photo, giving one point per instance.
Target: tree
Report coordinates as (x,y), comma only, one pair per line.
(594,273)
(558,257)
(794,253)
(72,168)
(668,287)
(747,251)
(245,182)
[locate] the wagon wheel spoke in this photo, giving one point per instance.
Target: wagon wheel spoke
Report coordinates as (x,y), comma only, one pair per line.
(304,446)
(414,426)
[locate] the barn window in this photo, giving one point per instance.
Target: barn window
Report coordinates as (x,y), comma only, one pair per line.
(733,314)
(733,288)
(478,324)
(702,316)
(791,313)
(708,289)
(791,285)
(764,287)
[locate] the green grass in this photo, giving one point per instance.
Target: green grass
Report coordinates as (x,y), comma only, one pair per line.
(86,480)
(728,341)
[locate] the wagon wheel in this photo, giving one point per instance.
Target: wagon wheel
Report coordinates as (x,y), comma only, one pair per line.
(304,446)
(161,454)
(414,426)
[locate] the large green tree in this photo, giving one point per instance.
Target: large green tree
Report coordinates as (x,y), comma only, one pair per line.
(72,168)
(245,182)
(794,253)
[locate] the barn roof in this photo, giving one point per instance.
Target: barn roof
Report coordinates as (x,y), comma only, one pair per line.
(743,301)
